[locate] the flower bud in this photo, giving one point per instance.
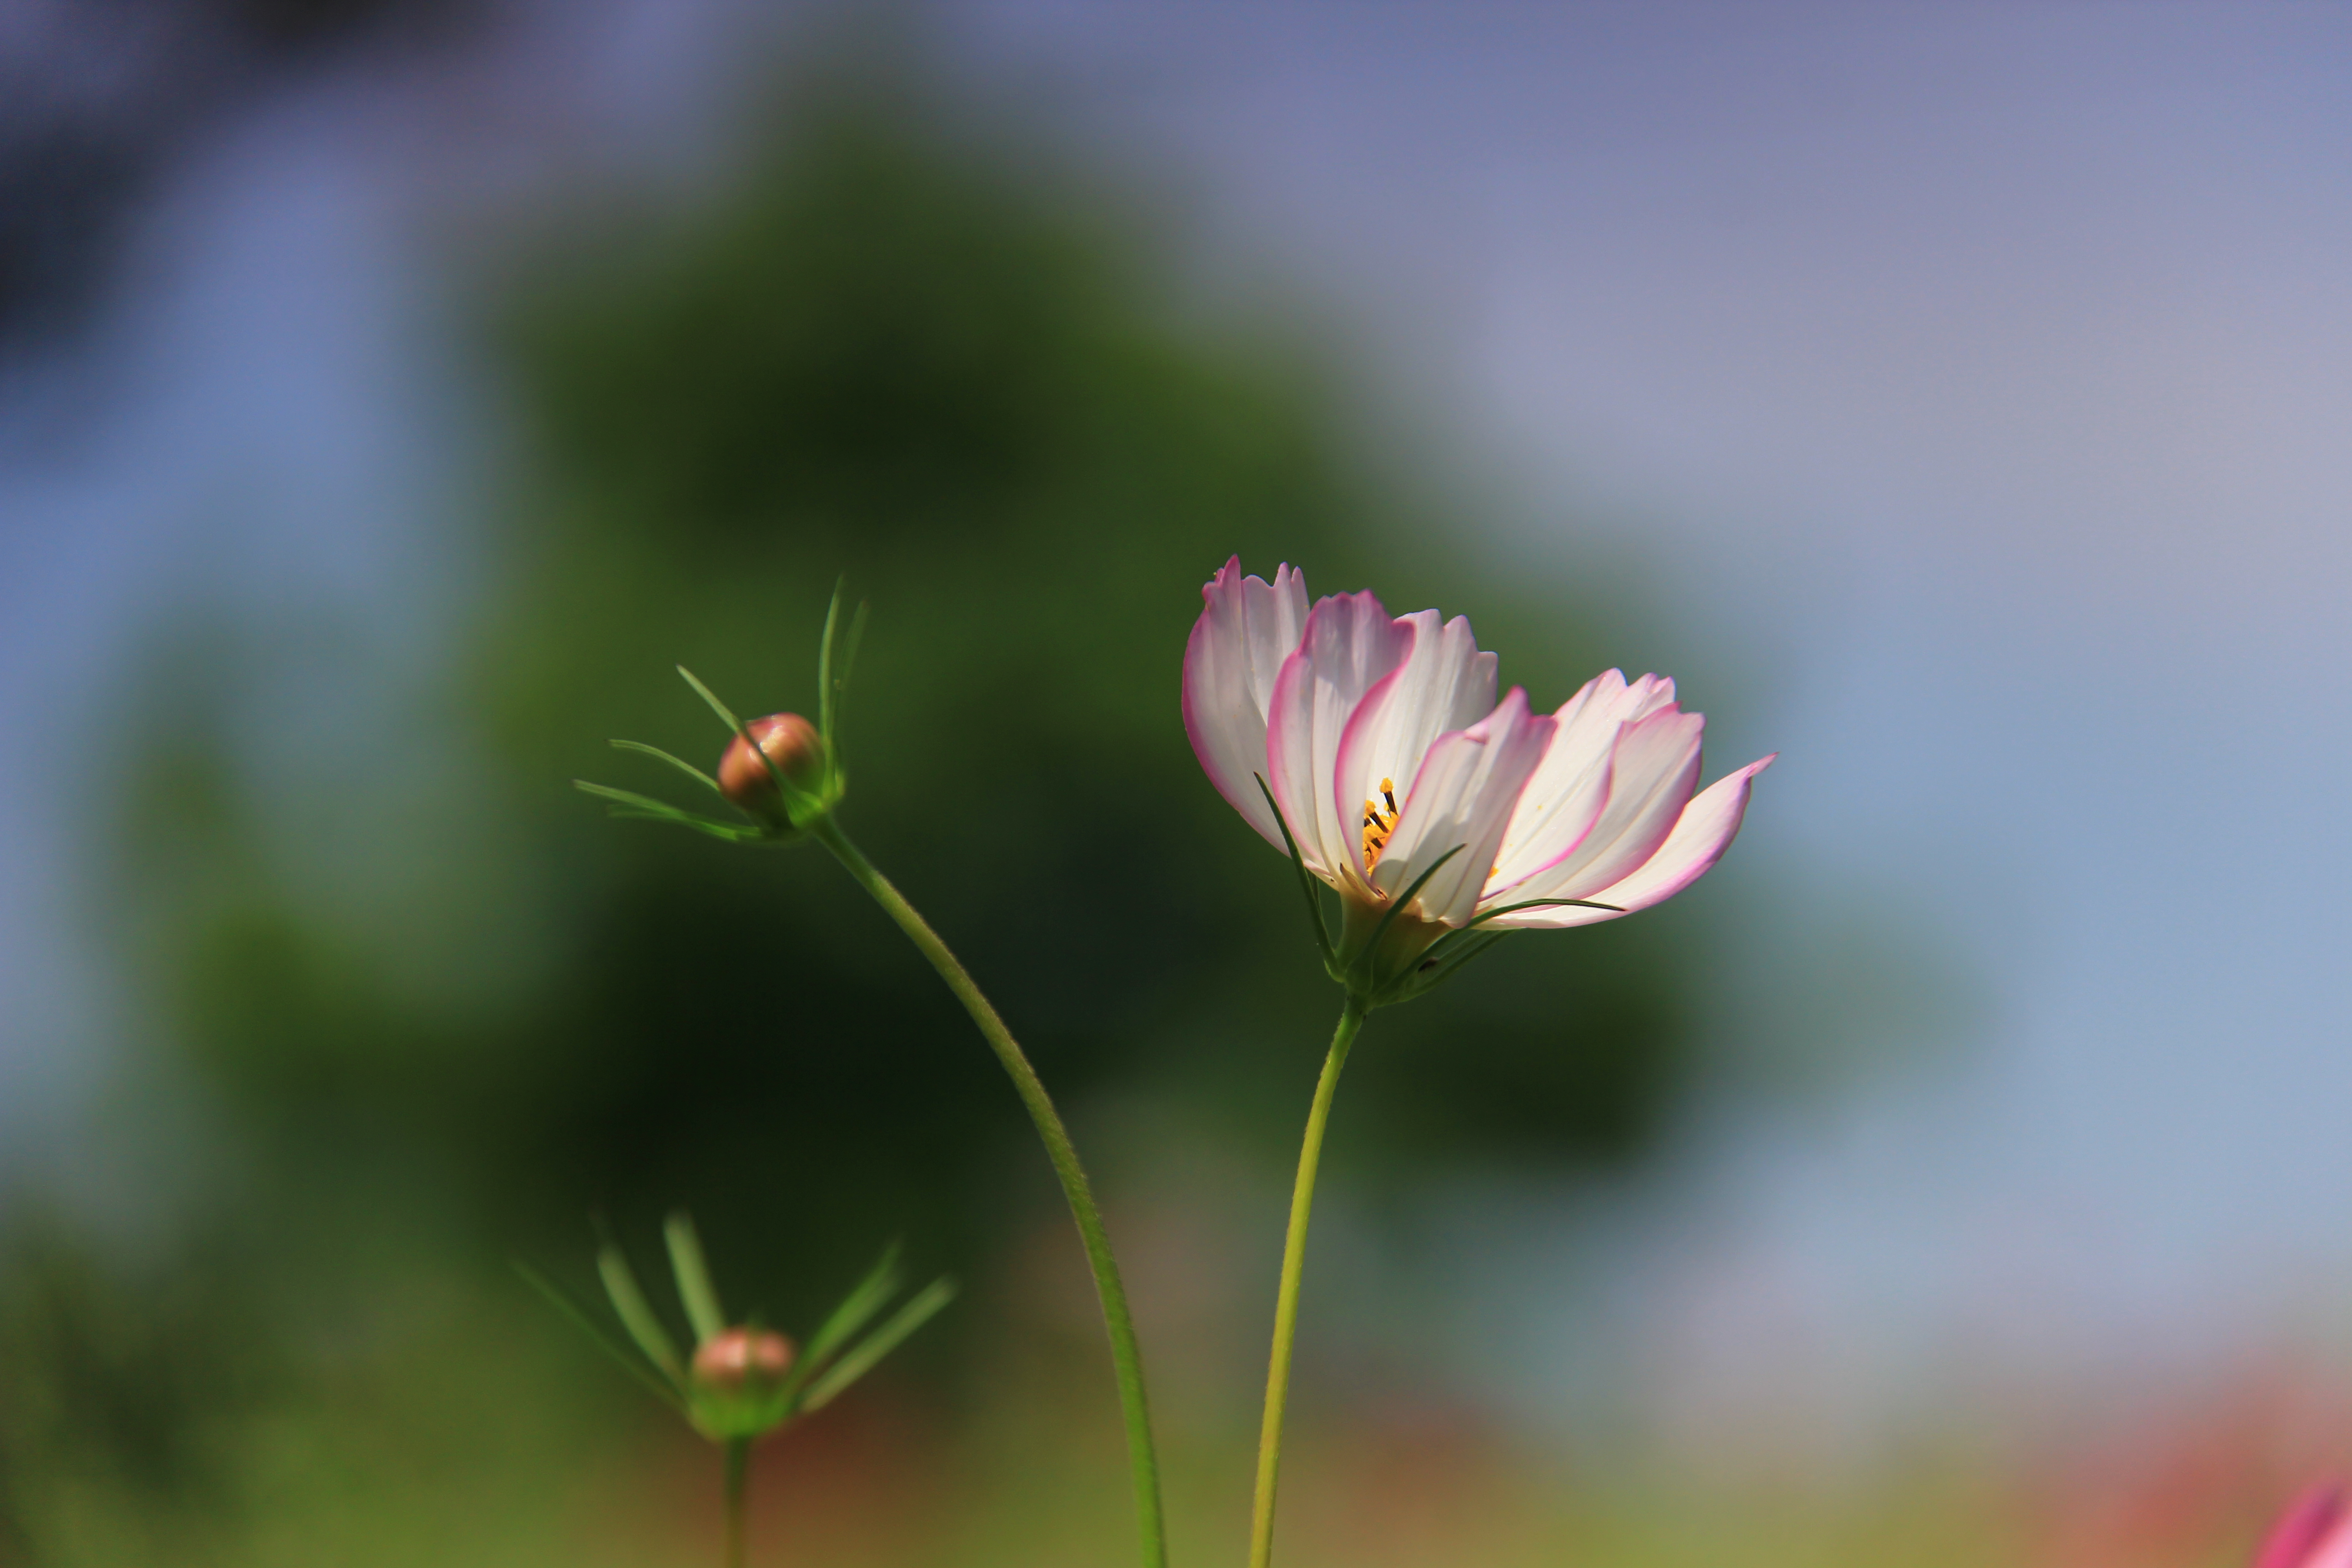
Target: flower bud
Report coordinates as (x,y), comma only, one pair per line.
(792,743)
(741,1359)
(2315,1532)
(737,1373)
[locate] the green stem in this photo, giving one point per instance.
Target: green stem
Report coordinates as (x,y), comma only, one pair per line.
(1285,1302)
(739,1459)
(1127,1357)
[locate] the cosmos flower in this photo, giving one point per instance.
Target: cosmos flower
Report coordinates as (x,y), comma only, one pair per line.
(1400,777)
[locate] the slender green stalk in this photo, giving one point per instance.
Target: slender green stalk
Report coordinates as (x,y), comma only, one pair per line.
(1286,1304)
(1127,1357)
(739,1460)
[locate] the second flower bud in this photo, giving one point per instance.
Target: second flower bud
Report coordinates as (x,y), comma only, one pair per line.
(738,1379)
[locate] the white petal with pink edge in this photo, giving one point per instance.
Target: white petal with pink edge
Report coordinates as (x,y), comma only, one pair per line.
(1461,801)
(1565,798)
(1446,684)
(1341,674)
(1700,835)
(1654,768)
(1247,627)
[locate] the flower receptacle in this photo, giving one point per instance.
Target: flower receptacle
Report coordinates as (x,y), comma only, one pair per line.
(1380,948)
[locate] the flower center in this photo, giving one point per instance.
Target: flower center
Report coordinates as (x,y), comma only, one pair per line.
(1380,821)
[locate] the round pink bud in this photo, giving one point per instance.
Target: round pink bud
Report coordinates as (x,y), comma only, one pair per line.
(792,743)
(743,1360)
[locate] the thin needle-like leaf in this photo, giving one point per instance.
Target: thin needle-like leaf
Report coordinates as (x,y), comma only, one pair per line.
(1307,883)
(633,1365)
(856,1311)
(636,1314)
(689,769)
(694,1289)
(825,665)
(629,804)
(1488,940)
(1546,904)
(849,664)
(879,1343)
(726,716)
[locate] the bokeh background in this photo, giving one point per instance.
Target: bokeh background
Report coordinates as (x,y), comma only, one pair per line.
(1956,398)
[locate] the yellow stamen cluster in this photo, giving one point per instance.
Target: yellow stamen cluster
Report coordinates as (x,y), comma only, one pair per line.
(1380,821)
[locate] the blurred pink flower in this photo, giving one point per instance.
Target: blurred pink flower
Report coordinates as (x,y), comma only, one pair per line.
(1381,740)
(2316,1532)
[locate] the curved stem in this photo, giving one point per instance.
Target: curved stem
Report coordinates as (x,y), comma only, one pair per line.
(739,1456)
(1127,1356)
(1286,1304)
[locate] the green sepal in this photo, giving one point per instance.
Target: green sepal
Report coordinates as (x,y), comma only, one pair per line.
(666,1392)
(861,1360)
(1359,973)
(1307,884)
(1432,973)
(695,1291)
(636,1314)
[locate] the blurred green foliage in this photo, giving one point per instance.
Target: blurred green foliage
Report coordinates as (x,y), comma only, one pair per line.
(889,360)
(467,1009)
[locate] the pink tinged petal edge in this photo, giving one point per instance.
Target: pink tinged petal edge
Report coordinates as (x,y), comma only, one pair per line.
(1653,694)
(1463,795)
(1446,684)
(1654,768)
(1338,679)
(1703,831)
(2314,1533)
(1246,628)
(1572,786)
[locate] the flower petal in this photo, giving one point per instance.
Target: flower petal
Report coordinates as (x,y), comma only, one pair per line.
(1247,627)
(1700,835)
(2309,1532)
(1462,798)
(1344,666)
(1651,694)
(2333,1550)
(1654,767)
(1447,684)
(1565,798)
